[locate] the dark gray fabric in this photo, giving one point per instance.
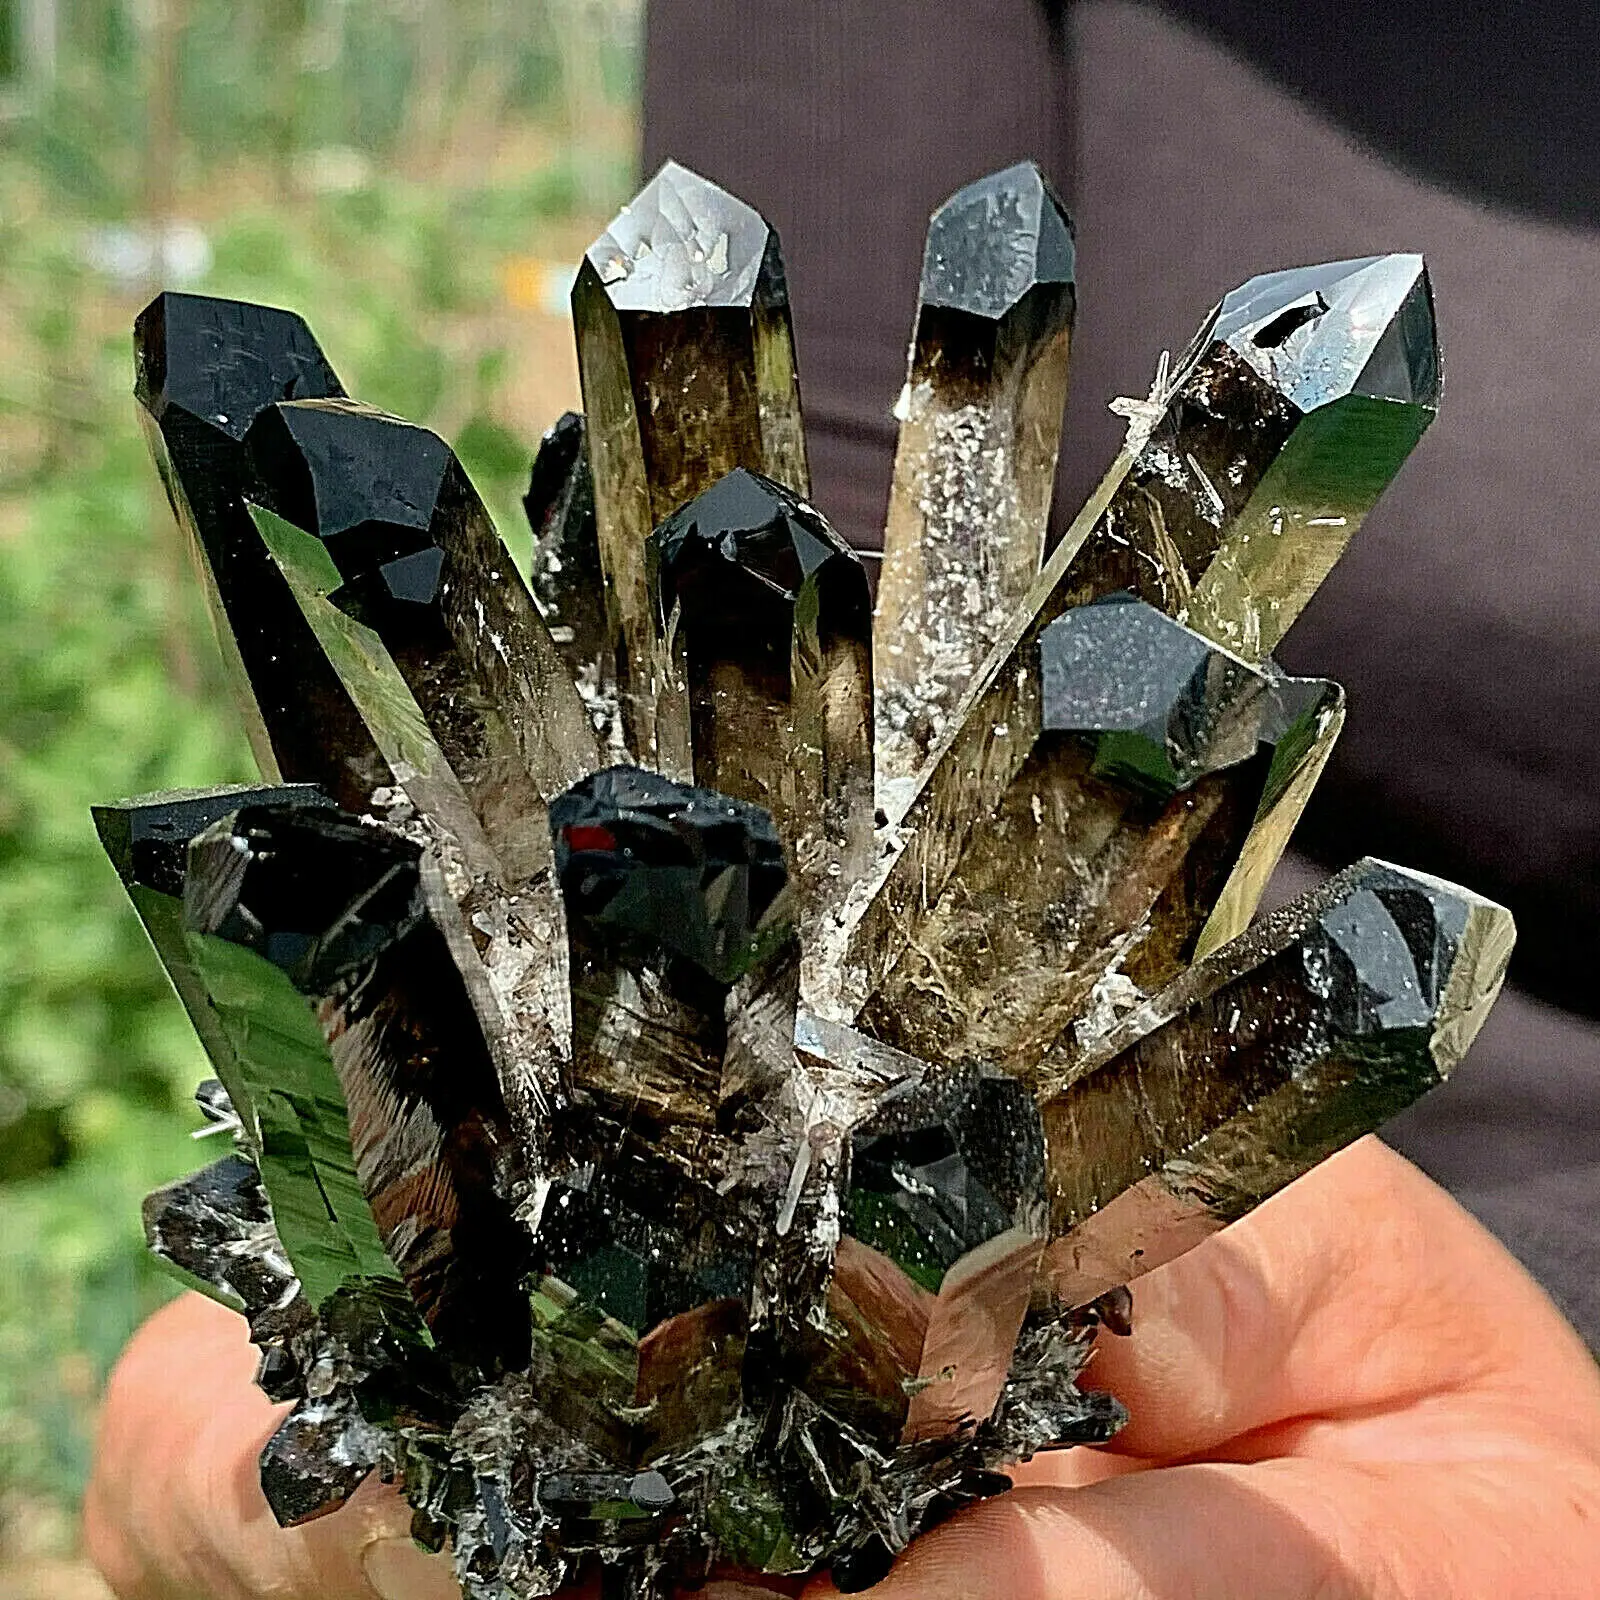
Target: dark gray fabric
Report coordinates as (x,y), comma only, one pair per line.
(1466,620)
(845,123)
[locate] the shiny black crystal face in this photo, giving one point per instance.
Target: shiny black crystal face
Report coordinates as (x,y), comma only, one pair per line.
(221,362)
(567,579)
(374,489)
(1361,327)
(1380,957)
(1164,706)
(742,554)
(641,1258)
(316,894)
(656,863)
(148,840)
(993,241)
(943,1168)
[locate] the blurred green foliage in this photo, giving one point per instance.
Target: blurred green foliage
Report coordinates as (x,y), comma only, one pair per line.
(109,682)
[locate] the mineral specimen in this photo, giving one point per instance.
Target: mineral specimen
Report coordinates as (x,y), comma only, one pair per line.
(691,1105)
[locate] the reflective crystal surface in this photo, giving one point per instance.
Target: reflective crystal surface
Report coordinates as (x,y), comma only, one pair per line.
(148,840)
(1226,508)
(980,427)
(943,1225)
(1312,1029)
(204,370)
(385,1144)
(401,548)
(1161,789)
(769,618)
(567,581)
(686,354)
(704,1061)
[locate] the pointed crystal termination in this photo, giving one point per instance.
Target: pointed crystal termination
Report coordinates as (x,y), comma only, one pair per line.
(385,1144)
(770,619)
(147,839)
(566,578)
(204,370)
(417,603)
(686,355)
(1225,478)
(943,1226)
(980,428)
(1328,1018)
(1092,882)
(679,918)
(1293,410)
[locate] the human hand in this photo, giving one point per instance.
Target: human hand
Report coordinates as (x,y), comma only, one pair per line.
(1353,1392)
(174,1509)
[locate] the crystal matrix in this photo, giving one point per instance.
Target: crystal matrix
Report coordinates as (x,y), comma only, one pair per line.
(705,1059)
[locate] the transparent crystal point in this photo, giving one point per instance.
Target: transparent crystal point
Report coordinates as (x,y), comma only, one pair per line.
(1313,1028)
(1226,509)
(686,355)
(980,423)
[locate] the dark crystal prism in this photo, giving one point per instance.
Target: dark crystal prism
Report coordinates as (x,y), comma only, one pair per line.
(205,369)
(567,580)
(771,620)
(656,864)
(943,1224)
(1316,1027)
(990,244)
(215,1231)
(680,941)
(445,635)
(147,839)
(385,1138)
(686,354)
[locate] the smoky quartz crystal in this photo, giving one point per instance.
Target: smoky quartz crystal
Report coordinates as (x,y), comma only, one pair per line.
(705,1053)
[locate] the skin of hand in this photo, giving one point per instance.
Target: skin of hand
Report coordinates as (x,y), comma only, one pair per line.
(1354,1392)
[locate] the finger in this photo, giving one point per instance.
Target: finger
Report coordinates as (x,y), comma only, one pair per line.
(174,1505)
(1286,1530)
(1360,1291)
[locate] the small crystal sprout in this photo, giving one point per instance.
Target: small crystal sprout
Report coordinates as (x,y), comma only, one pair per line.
(705,1051)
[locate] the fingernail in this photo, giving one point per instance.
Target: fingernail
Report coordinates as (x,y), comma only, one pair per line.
(398,1570)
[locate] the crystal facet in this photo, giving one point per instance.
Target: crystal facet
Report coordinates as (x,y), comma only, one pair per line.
(1226,508)
(687,359)
(1316,1027)
(384,1134)
(687,1111)
(770,621)
(567,581)
(205,369)
(980,427)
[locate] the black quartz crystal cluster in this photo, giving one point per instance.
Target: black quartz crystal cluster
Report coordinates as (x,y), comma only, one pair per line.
(706,1048)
